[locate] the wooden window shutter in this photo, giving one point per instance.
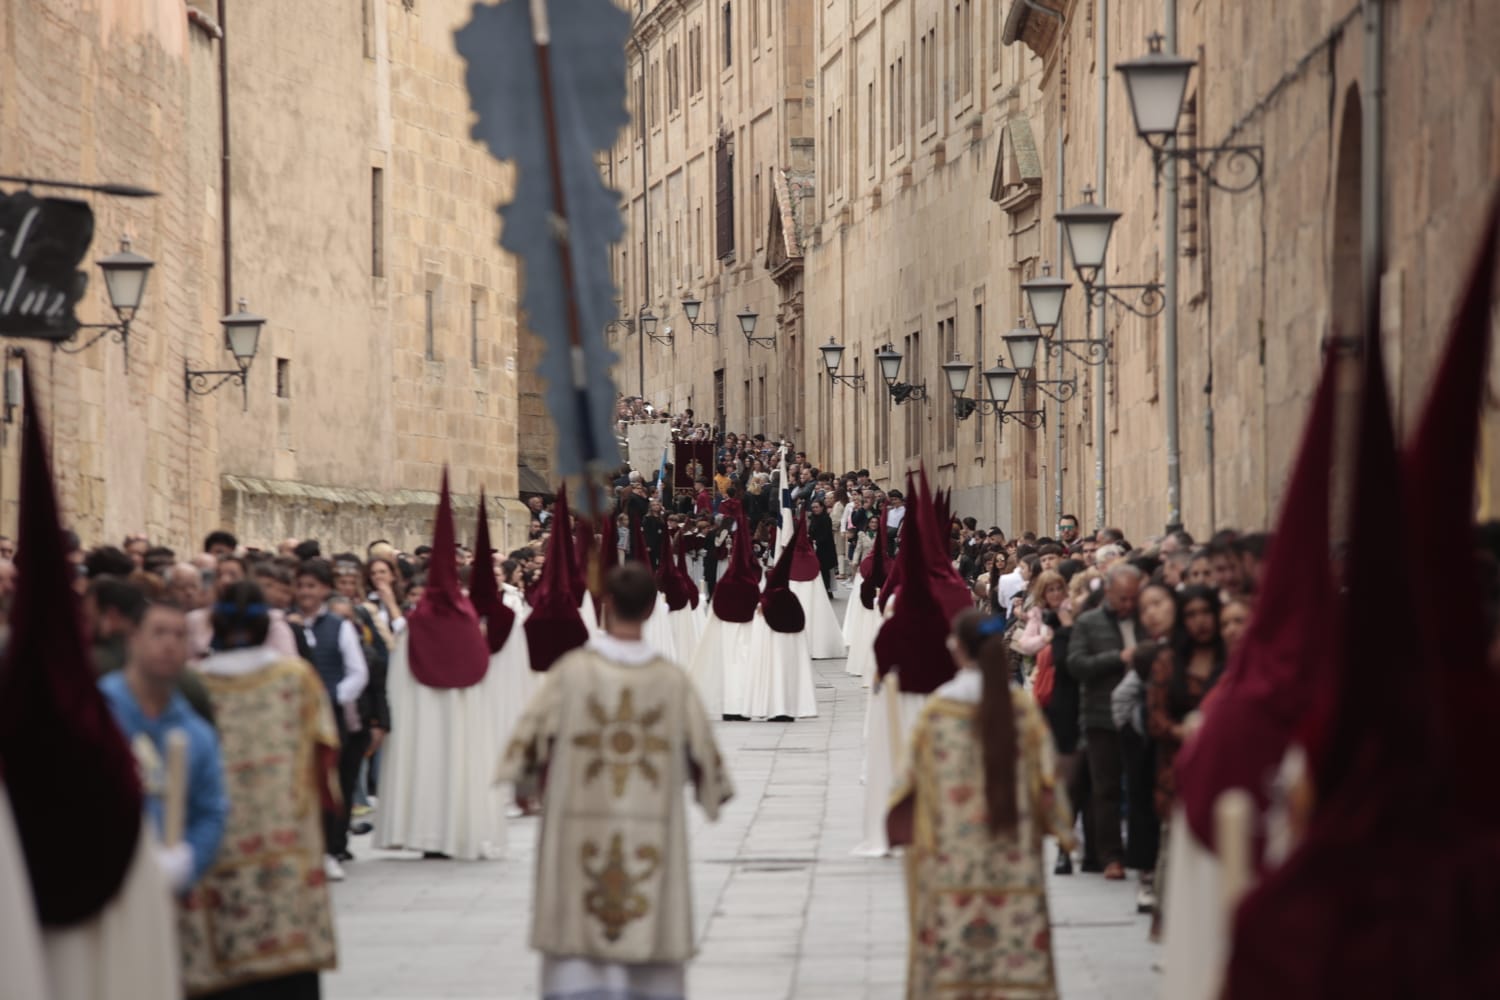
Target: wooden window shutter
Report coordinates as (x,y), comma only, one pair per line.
(725,197)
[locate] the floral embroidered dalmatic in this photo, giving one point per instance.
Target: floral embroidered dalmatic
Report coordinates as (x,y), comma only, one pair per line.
(616,742)
(263,910)
(978,901)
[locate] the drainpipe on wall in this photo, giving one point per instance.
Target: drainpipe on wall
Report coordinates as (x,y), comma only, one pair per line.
(1101,183)
(1169,318)
(227,230)
(1062,356)
(640,332)
(1372,163)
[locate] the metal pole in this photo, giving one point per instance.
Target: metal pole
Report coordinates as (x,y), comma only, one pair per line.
(1169,317)
(1101,185)
(1372,222)
(1062,358)
(640,332)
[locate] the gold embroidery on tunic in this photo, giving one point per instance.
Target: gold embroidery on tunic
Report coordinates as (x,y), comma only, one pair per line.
(613,900)
(622,741)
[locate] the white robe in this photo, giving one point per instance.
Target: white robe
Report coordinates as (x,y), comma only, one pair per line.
(781,682)
(518,682)
(721,667)
(126,951)
(687,629)
(20,936)
(657,632)
(436,792)
(861,624)
(847,625)
(1194,922)
(586,612)
(887,711)
(825,640)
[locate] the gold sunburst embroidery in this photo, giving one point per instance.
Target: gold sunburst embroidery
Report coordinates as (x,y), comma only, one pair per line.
(622,742)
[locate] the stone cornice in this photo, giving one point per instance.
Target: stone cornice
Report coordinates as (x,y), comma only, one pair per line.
(657,20)
(1037,23)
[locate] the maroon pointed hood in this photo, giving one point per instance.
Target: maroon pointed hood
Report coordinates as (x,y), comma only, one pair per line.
(1268,686)
(638,543)
(554,626)
(873,571)
(948,587)
(484,588)
(1392,888)
(897,574)
(737,595)
(70,775)
(562,529)
(667,581)
(582,552)
(445,647)
(805,565)
(942,503)
(1440,480)
(782,609)
(913,642)
(685,576)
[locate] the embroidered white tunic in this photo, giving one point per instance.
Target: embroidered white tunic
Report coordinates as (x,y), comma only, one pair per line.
(614,734)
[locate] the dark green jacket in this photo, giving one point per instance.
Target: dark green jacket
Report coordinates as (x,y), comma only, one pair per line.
(1094,649)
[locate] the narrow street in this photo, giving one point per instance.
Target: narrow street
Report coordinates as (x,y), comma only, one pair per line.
(785,910)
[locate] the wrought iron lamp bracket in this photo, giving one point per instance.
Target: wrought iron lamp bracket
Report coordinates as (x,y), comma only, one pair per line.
(902,392)
(1066,389)
(1151,300)
(1247,162)
(195,381)
(1098,350)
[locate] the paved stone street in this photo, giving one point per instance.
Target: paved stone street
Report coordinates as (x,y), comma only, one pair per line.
(784,909)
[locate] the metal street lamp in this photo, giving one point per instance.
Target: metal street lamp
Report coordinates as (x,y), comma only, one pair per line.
(1021,345)
(242,340)
(125,274)
(1086,230)
(958,371)
(747,327)
(1156,84)
(890,370)
(890,363)
(691,307)
(648,327)
(1044,297)
(833,356)
(1001,383)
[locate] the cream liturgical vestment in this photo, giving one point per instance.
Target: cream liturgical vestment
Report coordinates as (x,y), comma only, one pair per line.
(614,734)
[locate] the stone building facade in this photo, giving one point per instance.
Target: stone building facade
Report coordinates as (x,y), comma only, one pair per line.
(360,222)
(1265,275)
(930,208)
(715,177)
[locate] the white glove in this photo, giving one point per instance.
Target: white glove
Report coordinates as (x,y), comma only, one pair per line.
(176,864)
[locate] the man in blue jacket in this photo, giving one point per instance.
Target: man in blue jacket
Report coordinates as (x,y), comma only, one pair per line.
(147,705)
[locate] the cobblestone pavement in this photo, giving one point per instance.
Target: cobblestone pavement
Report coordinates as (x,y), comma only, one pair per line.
(785,911)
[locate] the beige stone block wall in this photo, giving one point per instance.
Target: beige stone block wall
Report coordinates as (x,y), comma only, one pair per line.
(759,101)
(1262,281)
(320,96)
(112,91)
